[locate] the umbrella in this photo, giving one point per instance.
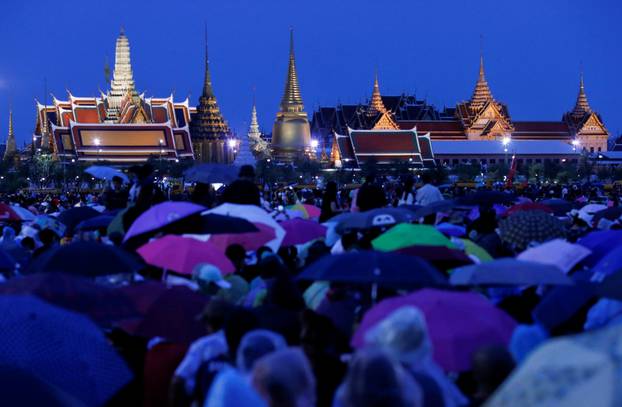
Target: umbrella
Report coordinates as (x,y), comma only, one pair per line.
(441,257)
(102,304)
(212,173)
(473,249)
(509,271)
(299,231)
(96,223)
(116,226)
(106,173)
(71,217)
(528,206)
(263,236)
(600,242)
(373,218)
(47,222)
(308,211)
(485,197)
(23,213)
(371,267)
(449,229)
(579,370)
(587,212)
(433,208)
(255,215)
(557,252)
(170,313)
(610,264)
(183,254)
(500,210)
(161,215)
(522,228)
(611,214)
(404,235)
(61,348)
(560,207)
(459,324)
(8,214)
(87,259)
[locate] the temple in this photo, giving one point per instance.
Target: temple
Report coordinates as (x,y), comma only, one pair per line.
(10,148)
(120,126)
(259,147)
(291,135)
(480,128)
(212,139)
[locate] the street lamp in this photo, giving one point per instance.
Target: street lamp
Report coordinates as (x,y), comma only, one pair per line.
(314,144)
(506,140)
(575,144)
(97,142)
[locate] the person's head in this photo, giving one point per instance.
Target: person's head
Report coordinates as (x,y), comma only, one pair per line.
(426,177)
(215,314)
(331,190)
(237,254)
(117,182)
(284,379)
(491,365)
(247,172)
(284,293)
(376,380)
(370,178)
(318,334)
(8,234)
(256,344)
(28,243)
(404,334)
(48,237)
(239,322)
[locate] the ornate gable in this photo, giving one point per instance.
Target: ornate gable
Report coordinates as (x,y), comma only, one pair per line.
(385,122)
(592,125)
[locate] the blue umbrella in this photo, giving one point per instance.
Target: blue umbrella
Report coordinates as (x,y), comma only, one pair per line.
(71,217)
(86,259)
(61,348)
(212,173)
(98,222)
(509,271)
(561,303)
(379,217)
(600,243)
(106,173)
(372,267)
(610,264)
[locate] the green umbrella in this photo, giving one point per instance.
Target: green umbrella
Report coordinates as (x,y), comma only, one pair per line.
(476,250)
(117,223)
(406,234)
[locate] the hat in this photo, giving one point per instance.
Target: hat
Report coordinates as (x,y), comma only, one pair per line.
(208,273)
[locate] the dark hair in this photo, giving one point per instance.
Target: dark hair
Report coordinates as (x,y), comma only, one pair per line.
(116,178)
(235,252)
(426,177)
(247,171)
(240,322)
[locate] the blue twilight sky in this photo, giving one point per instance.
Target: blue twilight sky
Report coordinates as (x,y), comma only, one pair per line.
(533,51)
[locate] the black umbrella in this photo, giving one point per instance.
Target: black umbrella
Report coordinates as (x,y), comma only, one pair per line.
(98,222)
(609,214)
(71,217)
(373,218)
(560,207)
(60,347)
(212,173)
(372,267)
(86,259)
(485,197)
(434,207)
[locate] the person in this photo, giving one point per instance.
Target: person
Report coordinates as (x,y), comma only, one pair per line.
(255,345)
(284,379)
(330,205)
(243,190)
(231,388)
(203,194)
(115,196)
(491,366)
(407,197)
(370,195)
(404,334)
(374,379)
(427,193)
(49,239)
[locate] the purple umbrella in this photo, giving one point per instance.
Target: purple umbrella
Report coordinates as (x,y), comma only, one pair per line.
(161,215)
(600,243)
(459,324)
(299,231)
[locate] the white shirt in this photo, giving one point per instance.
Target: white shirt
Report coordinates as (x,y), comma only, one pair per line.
(428,194)
(205,348)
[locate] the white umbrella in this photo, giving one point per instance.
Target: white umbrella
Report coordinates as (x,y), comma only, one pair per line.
(557,252)
(577,371)
(23,213)
(253,214)
(106,173)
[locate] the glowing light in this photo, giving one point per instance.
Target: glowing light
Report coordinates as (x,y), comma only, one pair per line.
(97,141)
(575,142)
(314,143)
(505,149)
(161,141)
(506,140)
(268,160)
(232,143)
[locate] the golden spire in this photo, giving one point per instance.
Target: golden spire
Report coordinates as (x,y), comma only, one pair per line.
(208,91)
(292,101)
(376,105)
(11,145)
(481,93)
(581,107)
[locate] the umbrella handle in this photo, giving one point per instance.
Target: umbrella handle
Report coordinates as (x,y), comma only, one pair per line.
(164,275)
(374,293)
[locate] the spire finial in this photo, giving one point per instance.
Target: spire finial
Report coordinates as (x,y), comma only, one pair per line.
(207,83)
(11,122)
(291,101)
(122,30)
(376,105)
(481,56)
(581,106)
(291,41)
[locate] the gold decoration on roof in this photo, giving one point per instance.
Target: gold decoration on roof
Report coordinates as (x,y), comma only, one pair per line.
(581,106)
(481,93)
(292,100)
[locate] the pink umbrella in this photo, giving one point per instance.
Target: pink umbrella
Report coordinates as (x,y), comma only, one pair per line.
(299,231)
(459,323)
(250,241)
(182,254)
(161,215)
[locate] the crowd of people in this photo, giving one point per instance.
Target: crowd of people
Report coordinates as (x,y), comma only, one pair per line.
(272,337)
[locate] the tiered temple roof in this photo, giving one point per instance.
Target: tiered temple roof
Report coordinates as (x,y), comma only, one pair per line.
(11,146)
(122,86)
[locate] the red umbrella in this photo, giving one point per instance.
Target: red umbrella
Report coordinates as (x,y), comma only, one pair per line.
(172,314)
(299,231)
(528,206)
(183,254)
(7,214)
(459,324)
